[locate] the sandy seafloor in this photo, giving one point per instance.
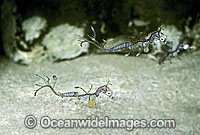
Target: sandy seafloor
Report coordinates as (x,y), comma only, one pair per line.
(143,89)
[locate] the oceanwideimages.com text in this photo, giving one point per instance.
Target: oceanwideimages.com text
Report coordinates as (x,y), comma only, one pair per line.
(128,124)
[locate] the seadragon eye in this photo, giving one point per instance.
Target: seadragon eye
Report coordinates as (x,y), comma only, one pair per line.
(162,39)
(146,49)
(55,77)
(109,93)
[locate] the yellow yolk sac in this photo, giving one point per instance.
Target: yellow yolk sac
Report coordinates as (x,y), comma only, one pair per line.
(91,103)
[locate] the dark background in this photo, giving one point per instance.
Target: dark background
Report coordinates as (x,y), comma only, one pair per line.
(115,14)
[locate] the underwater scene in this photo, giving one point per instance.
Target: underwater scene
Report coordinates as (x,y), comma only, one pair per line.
(100,67)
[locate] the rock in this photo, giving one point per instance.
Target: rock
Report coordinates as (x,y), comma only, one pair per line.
(32,27)
(196,32)
(194,35)
(25,39)
(173,34)
(62,42)
(9,27)
(17,47)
